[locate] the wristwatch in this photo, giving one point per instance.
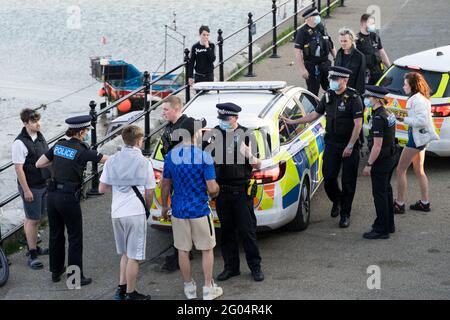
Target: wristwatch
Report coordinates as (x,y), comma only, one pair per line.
(350,146)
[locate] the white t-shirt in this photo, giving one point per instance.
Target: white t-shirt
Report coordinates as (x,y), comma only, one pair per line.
(127,204)
(20,151)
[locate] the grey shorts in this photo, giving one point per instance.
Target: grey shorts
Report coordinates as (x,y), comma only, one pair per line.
(36,209)
(130,234)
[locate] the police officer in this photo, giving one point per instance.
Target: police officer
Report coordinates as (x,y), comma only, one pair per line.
(312,47)
(234,164)
(68,159)
(343,110)
(369,43)
(382,161)
(351,58)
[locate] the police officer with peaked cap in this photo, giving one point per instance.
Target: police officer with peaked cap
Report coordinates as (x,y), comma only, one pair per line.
(68,159)
(234,204)
(312,48)
(343,111)
(382,161)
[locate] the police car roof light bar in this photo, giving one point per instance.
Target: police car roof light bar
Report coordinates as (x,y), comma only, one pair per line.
(240,85)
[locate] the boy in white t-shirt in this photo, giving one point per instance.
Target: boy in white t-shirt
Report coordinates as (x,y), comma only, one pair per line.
(122,171)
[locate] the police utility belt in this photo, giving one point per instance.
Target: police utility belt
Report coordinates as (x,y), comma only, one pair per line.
(66,187)
(249,189)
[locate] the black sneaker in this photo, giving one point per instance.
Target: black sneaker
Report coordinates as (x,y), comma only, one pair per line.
(85,281)
(137,296)
(121,292)
(258,275)
(33,260)
(420,206)
(171,263)
(336,210)
(399,209)
(372,235)
(56,276)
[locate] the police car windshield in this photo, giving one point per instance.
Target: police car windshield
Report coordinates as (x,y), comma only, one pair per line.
(393,81)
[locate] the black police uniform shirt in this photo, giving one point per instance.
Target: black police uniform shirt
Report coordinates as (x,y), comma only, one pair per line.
(69,159)
(370,45)
(201,59)
(233,174)
(356,62)
(307,40)
(340,113)
(166,139)
(382,125)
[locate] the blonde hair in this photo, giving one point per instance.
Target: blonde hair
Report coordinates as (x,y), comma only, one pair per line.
(131,135)
(175,102)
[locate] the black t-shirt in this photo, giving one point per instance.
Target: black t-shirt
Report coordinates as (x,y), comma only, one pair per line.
(167,142)
(201,59)
(340,114)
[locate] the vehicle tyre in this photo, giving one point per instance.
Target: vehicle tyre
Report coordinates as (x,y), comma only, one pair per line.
(301,220)
(4,268)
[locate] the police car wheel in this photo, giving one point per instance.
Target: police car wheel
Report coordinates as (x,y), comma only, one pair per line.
(4,268)
(301,220)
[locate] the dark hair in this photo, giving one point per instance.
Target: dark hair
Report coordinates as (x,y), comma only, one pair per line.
(73,131)
(131,135)
(28,114)
(204,28)
(418,84)
(365,17)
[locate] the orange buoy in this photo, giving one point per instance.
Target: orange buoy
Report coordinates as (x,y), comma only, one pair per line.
(124,106)
(102,92)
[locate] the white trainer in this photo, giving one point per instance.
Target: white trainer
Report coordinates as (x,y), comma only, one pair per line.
(190,290)
(213,292)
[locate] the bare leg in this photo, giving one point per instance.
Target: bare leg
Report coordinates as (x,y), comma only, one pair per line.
(185,265)
(123,270)
(418,163)
(131,274)
(405,161)
(31,231)
(208,263)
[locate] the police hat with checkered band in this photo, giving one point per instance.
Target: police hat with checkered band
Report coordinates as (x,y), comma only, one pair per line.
(79,122)
(310,12)
(339,72)
(376,92)
(227,109)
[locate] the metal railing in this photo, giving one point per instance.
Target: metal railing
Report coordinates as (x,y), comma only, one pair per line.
(146,87)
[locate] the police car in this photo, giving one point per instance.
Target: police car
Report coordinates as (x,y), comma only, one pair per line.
(434,65)
(291,170)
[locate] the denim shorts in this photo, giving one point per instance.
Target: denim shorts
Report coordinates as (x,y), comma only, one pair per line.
(35,210)
(411,143)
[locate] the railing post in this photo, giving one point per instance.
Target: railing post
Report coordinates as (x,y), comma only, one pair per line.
(295,18)
(147,113)
(342,4)
(250,72)
(95,182)
(274,30)
(314,3)
(220,44)
(328,8)
(186,66)
(319,5)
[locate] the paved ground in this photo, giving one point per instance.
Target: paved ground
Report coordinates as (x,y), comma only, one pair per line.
(323,262)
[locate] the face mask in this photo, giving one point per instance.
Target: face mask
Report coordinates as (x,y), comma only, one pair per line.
(367,102)
(87,137)
(334,85)
(317,19)
(371,28)
(224,125)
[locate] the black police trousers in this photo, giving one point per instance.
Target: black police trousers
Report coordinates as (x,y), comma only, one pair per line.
(203,77)
(64,211)
(332,163)
(315,81)
(381,174)
(237,219)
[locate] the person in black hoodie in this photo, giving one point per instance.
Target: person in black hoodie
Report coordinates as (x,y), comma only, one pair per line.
(32,182)
(201,61)
(351,58)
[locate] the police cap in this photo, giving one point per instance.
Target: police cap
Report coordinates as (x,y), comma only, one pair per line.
(79,122)
(376,92)
(310,12)
(227,109)
(339,72)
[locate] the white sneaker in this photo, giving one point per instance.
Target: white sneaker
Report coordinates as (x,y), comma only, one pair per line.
(190,290)
(213,292)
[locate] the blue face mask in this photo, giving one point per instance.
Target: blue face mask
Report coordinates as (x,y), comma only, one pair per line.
(87,137)
(371,28)
(367,102)
(317,19)
(334,85)
(224,125)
